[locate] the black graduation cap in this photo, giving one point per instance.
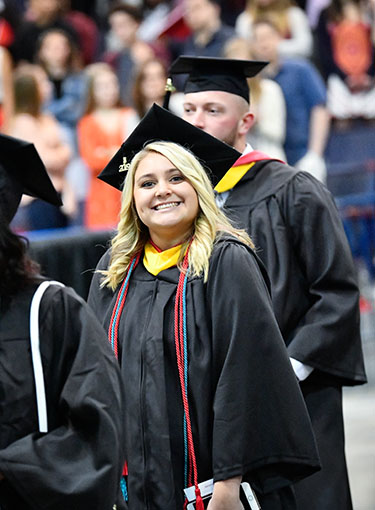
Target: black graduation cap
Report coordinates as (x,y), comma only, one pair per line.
(22,171)
(206,73)
(161,125)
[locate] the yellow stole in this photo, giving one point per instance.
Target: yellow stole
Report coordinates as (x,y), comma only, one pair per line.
(156,261)
(232,177)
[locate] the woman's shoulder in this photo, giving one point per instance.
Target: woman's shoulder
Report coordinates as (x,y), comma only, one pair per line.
(295,13)
(232,259)
(127,111)
(86,121)
(104,261)
(23,125)
(228,245)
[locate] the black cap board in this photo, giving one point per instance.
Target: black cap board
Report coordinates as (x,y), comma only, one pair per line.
(22,171)
(161,125)
(227,75)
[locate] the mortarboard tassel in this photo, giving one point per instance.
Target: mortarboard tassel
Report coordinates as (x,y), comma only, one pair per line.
(169,88)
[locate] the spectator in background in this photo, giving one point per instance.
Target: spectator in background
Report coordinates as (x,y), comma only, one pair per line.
(267,103)
(101,131)
(208,34)
(6,88)
(124,21)
(291,21)
(30,123)
(149,88)
(39,16)
(308,121)
(60,57)
(346,55)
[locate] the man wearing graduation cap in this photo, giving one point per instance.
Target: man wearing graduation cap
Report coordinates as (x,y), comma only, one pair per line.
(299,236)
(61,406)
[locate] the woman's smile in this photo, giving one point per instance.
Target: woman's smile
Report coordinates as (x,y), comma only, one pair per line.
(166,206)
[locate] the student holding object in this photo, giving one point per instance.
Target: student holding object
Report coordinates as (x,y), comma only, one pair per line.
(210,392)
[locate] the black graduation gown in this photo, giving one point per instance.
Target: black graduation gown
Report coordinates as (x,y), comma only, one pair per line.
(298,234)
(248,416)
(78,463)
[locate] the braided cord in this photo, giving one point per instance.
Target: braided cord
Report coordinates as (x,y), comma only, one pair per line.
(119,305)
(182,365)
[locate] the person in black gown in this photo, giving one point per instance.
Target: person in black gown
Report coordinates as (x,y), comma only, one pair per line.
(294,223)
(61,443)
(209,389)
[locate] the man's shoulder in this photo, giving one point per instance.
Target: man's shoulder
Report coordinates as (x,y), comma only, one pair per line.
(275,170)
(226,31)
(297,66)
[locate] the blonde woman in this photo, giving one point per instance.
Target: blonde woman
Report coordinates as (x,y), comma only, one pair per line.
(209,389)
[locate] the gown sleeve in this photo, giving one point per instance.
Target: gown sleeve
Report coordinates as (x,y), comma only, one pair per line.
(328,334)
(261,427)
(78,463)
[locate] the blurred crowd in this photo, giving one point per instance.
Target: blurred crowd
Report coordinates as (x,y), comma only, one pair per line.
(77,75)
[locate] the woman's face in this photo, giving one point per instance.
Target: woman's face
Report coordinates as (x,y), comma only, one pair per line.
(165,200)
(153,82)
(106,89)
(55,50)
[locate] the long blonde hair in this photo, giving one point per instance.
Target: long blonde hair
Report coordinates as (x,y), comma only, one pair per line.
(132,234)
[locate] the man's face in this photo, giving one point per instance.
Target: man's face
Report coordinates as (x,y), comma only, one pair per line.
(265,42)
(216,112)
(124,27)
(45,9)
(199,14)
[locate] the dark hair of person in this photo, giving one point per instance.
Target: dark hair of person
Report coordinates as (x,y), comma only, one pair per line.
(16,268)
(132,11)
(138,97)
(27,98)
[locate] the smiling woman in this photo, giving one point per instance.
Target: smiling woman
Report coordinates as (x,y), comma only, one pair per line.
(165,200)
(179,281)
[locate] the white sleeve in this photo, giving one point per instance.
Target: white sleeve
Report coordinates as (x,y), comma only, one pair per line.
(302,371)
(244,25)
(271,115)
(300,43)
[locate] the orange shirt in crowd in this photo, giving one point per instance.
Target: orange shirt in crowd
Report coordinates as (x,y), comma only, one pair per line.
(98,143)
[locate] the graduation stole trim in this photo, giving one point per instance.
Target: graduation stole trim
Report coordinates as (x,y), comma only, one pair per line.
(156,260)
(239,169)
(232,177)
